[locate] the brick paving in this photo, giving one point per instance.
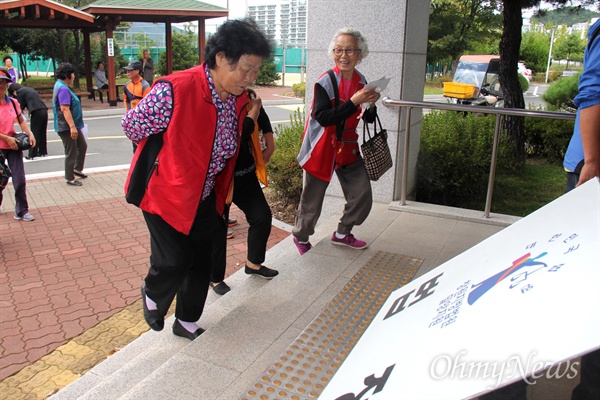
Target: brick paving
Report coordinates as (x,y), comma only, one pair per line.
(69,281)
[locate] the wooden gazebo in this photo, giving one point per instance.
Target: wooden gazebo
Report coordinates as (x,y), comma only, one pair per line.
(106,15)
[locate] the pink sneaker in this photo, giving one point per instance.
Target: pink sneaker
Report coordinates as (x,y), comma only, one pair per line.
(349,241)
(302,247)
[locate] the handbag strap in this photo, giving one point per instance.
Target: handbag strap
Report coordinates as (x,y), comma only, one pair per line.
(339,128)
(368,132)
(16,112)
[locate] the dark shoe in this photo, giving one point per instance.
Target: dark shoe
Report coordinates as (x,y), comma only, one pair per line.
(80,174)
(74,183)
(220,288)
(263,272)
(230,234)
(232,221)
(179,330)
(152,317)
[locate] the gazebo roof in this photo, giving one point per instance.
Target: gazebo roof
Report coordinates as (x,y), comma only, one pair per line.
(155,10)
(43,14)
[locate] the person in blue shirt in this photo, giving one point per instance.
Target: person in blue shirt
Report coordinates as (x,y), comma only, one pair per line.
(582,160)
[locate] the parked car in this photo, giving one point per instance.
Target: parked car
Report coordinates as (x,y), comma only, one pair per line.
(523,70)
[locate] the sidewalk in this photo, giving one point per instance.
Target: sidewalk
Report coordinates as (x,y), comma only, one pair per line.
(71,278)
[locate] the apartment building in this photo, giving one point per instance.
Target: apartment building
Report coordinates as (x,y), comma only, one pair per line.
(284,21)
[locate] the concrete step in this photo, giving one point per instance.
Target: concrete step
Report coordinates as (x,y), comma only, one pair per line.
(234,340)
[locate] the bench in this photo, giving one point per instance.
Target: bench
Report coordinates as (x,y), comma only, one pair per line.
(102,92)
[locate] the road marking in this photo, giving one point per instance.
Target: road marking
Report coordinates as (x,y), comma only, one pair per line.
(25,161)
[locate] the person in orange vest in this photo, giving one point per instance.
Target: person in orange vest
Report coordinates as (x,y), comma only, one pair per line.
(135,89)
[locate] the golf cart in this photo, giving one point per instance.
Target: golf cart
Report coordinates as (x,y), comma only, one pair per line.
(476,81)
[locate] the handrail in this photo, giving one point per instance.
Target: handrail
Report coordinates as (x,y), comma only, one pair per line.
(498,112)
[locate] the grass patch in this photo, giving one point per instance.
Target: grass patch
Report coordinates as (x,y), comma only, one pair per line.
(433,89)
(526,191)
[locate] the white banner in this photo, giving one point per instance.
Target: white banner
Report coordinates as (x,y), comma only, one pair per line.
(516,304)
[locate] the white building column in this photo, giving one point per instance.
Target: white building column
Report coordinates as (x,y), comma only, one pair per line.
(396,32)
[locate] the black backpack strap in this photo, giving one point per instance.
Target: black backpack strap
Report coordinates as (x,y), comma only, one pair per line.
(336,102)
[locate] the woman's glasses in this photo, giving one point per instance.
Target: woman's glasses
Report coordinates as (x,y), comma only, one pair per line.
(349,52)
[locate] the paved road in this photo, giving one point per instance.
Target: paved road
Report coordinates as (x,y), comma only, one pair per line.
(108,146)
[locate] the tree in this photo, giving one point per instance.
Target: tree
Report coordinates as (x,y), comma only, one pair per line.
(534,50)
(185,55)
(570,48)
(510,44)
(457,27)
(268,73)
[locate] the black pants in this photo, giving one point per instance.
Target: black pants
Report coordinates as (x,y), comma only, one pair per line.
(181,264)
(39,127)
(249,197)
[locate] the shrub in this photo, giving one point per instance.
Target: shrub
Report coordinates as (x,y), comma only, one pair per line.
(268,73)
(455,156)
(524,83)
(561,92)
(299,89)
(285,174)
(547,138)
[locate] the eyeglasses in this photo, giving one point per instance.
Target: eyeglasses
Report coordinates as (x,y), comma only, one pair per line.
(349,52)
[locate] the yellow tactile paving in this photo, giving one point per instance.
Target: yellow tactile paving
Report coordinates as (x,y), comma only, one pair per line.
(309,363)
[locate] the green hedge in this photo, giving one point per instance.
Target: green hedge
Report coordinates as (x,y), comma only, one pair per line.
(285,174)
(455,157)
(547,138)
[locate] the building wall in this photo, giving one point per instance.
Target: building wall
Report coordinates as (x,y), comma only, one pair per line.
(397,47)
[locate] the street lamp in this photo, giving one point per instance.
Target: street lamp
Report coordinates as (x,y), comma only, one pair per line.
(549,55)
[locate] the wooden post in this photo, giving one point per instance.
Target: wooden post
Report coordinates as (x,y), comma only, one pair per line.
(201,39)
(169,45)
(89,68)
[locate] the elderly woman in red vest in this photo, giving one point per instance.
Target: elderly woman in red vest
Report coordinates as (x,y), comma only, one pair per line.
(188,132)
(330,143)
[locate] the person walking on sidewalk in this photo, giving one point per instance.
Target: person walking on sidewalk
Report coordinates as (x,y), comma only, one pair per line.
(38,114)
(68,122)
(248,194)
(10,112)
(188,131)
(330,143)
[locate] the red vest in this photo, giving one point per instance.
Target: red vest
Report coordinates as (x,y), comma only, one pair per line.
(176,176)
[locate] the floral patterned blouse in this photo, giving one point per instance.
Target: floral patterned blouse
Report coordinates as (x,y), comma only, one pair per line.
(153,114)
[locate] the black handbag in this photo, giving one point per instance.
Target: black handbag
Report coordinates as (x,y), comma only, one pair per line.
(22,140)
(5,172)
(375,151)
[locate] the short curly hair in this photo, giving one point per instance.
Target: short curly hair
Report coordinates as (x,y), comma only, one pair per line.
(361,42)
(64,70)
(235,38)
